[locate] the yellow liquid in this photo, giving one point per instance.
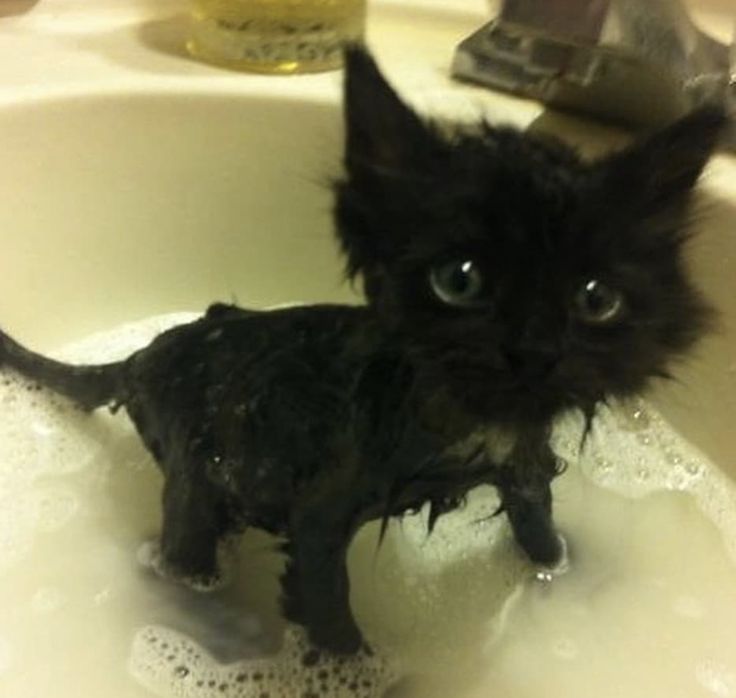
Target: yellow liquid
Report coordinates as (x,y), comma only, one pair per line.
(275,36)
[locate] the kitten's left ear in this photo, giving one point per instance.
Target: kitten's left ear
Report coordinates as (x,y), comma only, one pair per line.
(667,164)
(383,135)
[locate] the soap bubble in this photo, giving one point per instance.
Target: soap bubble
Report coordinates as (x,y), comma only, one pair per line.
(169,663)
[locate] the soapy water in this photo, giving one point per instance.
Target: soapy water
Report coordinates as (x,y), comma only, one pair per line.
(647,608)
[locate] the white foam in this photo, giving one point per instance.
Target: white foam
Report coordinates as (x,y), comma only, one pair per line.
(634,452)
(118,343)
(717,679)
(149,555)
(42,436)
(47,600)
(171,664)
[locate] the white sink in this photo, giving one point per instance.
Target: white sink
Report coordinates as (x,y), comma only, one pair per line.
(138,182)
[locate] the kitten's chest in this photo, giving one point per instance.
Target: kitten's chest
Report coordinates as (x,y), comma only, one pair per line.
(443,475)
(498,442)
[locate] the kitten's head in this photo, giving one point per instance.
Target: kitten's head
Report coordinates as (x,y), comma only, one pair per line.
(522,279)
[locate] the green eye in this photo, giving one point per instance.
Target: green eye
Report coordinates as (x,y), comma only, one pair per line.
(598,304)
(459,282)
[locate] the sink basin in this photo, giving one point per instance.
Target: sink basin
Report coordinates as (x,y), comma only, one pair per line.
(182,189)
(138,182)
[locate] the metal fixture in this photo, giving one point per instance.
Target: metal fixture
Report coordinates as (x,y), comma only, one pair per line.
(642,62)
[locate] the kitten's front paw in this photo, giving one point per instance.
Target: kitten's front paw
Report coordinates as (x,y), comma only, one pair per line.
(150,556)
(561,565)
(345,640)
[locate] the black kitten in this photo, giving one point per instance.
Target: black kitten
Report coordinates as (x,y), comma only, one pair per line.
(506,281)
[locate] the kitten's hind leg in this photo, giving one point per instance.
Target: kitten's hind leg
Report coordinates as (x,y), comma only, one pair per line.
(316,588)
(195,519)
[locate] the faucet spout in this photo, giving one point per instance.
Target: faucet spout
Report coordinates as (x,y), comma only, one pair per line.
(642,63)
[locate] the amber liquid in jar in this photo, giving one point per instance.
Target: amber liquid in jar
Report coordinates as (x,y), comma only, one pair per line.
(275,36)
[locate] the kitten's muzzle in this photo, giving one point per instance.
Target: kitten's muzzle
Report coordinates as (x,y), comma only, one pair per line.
(531,366)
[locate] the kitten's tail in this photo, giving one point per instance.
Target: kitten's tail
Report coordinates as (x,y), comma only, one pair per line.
(88,386)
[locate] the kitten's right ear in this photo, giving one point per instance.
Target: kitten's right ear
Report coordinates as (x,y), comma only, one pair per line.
(383,135)
(667,164)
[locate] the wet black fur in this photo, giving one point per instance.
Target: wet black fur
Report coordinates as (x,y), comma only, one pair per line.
(310,421)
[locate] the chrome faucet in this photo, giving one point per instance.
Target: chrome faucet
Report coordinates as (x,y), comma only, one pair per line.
(643,62)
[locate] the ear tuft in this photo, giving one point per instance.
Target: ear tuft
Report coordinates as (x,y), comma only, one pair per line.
(382,134)
(668,163)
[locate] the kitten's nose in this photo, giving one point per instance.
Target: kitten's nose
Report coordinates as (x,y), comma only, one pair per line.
(532,365)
